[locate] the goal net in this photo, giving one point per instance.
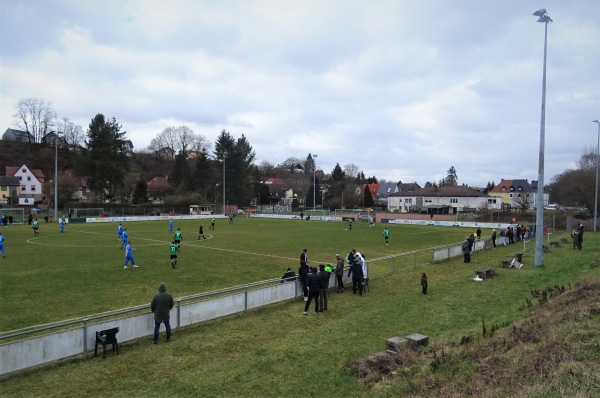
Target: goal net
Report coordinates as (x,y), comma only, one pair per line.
(17,215)
(86,213)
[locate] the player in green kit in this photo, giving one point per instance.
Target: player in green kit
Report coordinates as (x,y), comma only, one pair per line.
(174,248)
(177,237)
(36,227)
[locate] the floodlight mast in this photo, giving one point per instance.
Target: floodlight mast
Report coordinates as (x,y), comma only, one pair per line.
(539,199)
(596,192)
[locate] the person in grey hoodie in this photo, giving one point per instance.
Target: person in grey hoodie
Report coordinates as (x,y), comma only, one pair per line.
(161,305)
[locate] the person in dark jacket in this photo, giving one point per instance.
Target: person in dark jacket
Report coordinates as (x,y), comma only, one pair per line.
(161,305)
(580,237)
(471,240)
(494,237)
(466,249)
(315,284)
(289,276)
(423,283)
(324,274)
(339,273)
(356,272)
(303,272)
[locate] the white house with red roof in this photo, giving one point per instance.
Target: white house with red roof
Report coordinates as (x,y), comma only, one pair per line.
(31,180)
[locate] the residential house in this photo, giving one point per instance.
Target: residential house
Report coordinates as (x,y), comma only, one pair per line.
(9,190)
(31,181)
(158,188)
(447,199)
(513,192)
(385,190)
(17,135)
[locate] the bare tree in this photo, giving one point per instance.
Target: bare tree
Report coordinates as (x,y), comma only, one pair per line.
(351,170)
(175,140)
(523,202)
(72,133)
(36,116)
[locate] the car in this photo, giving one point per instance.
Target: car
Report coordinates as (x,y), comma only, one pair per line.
(551,207)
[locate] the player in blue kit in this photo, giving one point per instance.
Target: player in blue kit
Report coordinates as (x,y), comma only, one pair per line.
(125,238)
(2,245)
(171,225)
(120,232)
(61,223)
(129,256)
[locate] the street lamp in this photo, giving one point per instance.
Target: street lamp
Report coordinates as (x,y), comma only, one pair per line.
(224,158)
(539,199)
(597,161)
(314,185)
(56,177)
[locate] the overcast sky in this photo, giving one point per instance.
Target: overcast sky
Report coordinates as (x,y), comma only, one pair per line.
(403,89)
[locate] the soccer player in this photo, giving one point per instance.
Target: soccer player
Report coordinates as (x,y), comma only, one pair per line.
(120,232)
(2,245)
(171,225)
(350,224)
(36,227)
(174,248)
(386,235)
(231,218)
(61,223)
(201,232)
(129,256)
(125,238)
(212,224)
(177,237)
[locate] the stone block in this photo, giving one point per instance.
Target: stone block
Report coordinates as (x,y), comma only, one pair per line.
(395,344)
(417,340)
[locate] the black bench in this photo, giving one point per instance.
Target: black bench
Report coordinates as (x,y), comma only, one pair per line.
(485,272)
(105,337)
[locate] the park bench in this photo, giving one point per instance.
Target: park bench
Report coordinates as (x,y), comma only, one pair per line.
(105,337)
(485,272)
(506,262)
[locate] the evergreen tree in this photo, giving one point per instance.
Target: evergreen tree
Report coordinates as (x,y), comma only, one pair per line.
(179,177)
(140,194)
(104,158)
(368,197)
(338,174)
(237,157)
(203,176)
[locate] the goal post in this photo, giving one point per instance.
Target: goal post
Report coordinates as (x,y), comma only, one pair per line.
(17,214)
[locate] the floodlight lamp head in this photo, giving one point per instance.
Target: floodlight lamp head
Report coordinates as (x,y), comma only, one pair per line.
(540,12)
(595,121)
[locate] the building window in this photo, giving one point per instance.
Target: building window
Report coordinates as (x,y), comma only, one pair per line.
(453,200)
(28,178)
(24,171)
(408,200)
(23,188)
(33,188)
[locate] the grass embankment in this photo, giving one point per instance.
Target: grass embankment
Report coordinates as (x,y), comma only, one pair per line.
(276,351)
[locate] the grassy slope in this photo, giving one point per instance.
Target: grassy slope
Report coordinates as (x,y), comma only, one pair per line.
(276,351)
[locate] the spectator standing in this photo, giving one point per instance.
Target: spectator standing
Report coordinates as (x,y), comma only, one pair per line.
(356,272)
(324,274)
(503,236)
(471,240)
(574,238)
(314,283)
(580,237)
(161,305)
(494,237)
(423,283)
(466,251)
(303,272)
(478,232)
(339,273)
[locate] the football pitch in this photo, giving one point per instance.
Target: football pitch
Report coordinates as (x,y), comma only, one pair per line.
(57,276)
